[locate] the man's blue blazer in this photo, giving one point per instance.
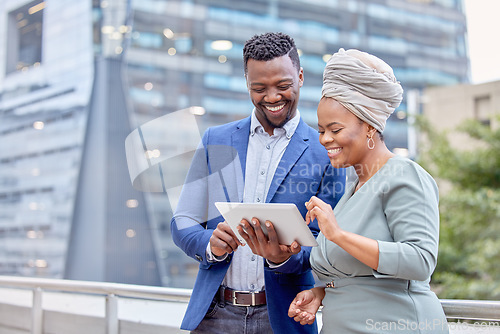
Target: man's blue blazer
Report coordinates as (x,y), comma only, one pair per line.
(217,174)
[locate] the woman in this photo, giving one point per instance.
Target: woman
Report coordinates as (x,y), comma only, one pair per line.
(378,248)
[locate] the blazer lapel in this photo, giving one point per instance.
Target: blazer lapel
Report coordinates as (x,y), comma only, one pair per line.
(298,144)
(239,140)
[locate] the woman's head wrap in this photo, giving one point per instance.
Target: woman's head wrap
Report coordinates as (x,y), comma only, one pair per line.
(363,84)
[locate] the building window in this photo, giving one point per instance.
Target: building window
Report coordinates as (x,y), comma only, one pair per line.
(24,41)
(482,109)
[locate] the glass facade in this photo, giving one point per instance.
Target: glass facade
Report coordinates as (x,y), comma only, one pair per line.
(24,38)
(173,55)
(44,93)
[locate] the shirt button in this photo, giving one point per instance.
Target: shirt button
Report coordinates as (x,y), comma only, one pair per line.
(252,286)
(262,172)
(268,146)
(253,258)
(258,199)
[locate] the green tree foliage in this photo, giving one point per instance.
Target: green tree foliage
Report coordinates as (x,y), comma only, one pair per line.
(469,251)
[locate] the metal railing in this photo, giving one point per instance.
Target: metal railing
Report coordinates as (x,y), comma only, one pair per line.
(454,309)
(471,309)
(111,290)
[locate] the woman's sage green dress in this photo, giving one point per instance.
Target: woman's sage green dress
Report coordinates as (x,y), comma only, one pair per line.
(398,207)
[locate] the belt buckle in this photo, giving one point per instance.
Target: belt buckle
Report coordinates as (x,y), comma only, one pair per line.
(235,303)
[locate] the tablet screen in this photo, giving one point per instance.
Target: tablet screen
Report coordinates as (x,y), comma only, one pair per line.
(286,218)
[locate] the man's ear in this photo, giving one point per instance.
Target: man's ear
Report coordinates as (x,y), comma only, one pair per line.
(301,77)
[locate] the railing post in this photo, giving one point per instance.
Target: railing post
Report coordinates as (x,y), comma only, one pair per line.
(37,312)
(111,314)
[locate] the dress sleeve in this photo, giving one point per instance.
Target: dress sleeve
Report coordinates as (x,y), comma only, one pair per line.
(410,203)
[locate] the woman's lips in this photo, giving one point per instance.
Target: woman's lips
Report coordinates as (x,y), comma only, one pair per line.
(333,151)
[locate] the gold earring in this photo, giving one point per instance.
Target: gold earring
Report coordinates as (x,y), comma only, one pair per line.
(371,145)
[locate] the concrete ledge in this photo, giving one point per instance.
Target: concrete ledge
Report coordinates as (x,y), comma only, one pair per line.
(14,319)
(74,313)
(68,323)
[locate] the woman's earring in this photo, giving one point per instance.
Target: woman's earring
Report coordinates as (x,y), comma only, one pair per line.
(371,143)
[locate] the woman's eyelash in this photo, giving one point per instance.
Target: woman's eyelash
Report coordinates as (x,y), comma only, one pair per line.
(334,131)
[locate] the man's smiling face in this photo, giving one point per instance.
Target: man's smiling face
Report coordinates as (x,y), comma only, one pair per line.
(274,87)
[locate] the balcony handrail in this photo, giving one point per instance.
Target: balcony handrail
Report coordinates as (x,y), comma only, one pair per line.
(102,288)
(483,310)
(487,310)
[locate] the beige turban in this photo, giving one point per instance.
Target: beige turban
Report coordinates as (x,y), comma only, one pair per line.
(364,84)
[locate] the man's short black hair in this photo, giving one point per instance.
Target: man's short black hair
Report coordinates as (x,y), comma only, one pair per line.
(269,46)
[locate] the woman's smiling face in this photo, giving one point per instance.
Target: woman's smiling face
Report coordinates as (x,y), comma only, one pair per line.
(342,133)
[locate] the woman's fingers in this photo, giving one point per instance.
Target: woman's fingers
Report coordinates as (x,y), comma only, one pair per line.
(316,202)
(319,214)
(308,218)
(304,318)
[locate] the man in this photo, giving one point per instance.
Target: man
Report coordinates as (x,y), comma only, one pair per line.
(247,288)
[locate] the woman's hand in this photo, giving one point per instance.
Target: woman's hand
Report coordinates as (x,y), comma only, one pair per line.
(362,248)
(323,213)
(305,305)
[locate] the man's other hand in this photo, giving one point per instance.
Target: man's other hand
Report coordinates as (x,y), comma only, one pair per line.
(266,246)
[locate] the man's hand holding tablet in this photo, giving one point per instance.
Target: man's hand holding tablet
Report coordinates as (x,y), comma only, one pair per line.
(274,231)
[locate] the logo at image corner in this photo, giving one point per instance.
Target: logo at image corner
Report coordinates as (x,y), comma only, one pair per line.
(406,325)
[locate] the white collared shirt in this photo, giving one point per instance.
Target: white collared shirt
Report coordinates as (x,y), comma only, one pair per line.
(246,272)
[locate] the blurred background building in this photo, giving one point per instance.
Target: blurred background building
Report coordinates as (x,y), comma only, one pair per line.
(447,107)
(77,77)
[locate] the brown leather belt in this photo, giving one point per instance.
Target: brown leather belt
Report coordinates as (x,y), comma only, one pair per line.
(242,298)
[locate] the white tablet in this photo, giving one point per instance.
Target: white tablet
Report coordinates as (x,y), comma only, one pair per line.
(286,218)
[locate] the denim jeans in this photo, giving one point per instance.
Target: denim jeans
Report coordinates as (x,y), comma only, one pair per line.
(224,318)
